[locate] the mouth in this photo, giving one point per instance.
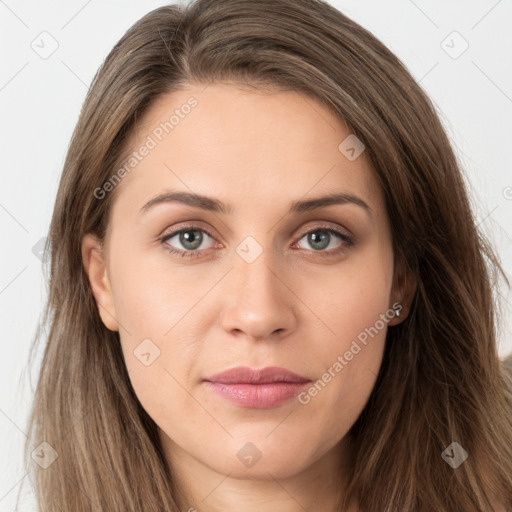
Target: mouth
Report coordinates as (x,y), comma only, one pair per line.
(257,388)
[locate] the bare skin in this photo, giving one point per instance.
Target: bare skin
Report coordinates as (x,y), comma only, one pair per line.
(298,305)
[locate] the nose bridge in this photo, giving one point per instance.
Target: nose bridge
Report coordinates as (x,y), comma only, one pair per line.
(259,302)
(255,270)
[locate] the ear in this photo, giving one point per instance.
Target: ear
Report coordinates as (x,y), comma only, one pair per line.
(402,293)
(95,267)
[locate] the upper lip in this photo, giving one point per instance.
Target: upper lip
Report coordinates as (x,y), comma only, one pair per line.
(246,375)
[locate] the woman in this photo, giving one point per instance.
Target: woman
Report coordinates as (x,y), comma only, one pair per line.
(267,287)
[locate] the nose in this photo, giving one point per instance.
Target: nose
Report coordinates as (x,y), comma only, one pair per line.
(259,303)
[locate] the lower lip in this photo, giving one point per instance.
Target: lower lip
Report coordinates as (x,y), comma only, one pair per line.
(258,396)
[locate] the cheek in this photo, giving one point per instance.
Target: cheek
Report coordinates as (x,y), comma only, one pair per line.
(157,313)
(350,365)
(159,358)
(353,297)
(355,306)
(151,297)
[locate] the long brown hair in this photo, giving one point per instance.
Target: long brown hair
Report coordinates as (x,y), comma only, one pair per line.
(440,380)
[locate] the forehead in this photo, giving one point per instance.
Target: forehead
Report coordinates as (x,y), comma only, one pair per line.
(243,145)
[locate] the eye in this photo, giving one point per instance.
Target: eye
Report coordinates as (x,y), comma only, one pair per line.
(321,238)
(191,239)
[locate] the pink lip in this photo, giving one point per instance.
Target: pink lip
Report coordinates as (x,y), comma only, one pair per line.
(258,389)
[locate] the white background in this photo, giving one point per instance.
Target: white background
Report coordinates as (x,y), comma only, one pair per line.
(40,100)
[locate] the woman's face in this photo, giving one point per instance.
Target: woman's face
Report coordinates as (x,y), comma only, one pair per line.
(257,279)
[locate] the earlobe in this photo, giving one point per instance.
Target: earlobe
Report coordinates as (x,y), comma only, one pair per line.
(402,295)
(95,267)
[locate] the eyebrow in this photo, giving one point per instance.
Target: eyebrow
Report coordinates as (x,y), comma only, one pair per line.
(216,206)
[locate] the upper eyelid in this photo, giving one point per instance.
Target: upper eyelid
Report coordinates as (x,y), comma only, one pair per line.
(197,225)
(191,226)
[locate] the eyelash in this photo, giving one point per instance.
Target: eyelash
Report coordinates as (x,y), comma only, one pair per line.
(347,240)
